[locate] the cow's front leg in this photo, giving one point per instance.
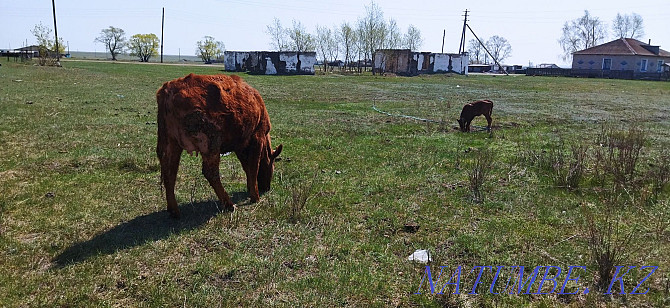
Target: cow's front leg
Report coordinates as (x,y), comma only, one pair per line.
(250,160)
(210,169)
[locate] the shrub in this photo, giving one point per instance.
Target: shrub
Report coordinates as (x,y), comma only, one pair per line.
(617,154)
(480,168)
(568,170)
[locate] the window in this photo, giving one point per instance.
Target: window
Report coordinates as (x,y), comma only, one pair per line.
(660,66)
(643,65)
(607,64)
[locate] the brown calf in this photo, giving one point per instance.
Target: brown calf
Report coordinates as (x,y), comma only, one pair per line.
(211,115)
(471,110)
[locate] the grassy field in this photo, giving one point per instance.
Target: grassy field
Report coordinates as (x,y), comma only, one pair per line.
(574,173)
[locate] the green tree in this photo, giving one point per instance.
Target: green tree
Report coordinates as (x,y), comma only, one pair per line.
(347,39)
(45,40)
(413,39)
(209,48)
(144,46)
(114,40)
(277,35)
(299,39)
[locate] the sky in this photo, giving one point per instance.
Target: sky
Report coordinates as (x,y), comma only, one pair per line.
(532,27)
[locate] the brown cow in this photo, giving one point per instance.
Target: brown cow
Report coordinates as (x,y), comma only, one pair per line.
(471,110)
(211,115)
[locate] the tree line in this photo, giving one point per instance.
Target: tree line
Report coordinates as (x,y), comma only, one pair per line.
(142,46)
(589,31)
(355,43)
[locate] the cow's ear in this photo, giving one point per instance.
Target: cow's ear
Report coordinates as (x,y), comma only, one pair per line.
(276,152)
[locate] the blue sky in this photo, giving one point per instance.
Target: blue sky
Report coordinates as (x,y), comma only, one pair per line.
(532,27)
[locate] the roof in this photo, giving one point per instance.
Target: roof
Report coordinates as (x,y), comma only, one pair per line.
(624,46)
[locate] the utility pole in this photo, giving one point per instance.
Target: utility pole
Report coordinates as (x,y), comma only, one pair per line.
(461,47)
(162,30)
(443,35)
(53,5)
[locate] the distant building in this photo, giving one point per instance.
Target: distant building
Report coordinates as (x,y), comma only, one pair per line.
(27,52)
(548,65)
(479,68)
(621,58)
(406,62)
(270,62)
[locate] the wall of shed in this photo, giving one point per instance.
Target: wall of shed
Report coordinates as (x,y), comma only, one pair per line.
(270,63)
(405,62)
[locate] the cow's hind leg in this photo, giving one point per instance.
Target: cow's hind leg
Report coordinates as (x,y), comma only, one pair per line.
(169,160)
(210,169)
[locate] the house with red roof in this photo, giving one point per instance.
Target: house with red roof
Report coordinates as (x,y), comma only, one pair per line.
(622,58)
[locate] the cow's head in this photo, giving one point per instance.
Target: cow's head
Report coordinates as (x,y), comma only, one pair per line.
(266,167)
(461,123)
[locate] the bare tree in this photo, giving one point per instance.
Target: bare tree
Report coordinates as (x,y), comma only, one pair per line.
(347,39)
(499,47)
(114,40)
(371,30)
(323,38)
(334,45)
(277,35)
(299,39)
(476,51)
(413,39)
(628,26)
(392,38)
(582,33)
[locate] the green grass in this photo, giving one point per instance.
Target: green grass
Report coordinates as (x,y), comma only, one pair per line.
(83,220)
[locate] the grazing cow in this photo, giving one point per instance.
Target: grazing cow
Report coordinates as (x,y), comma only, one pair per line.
(471,110)
(211,115)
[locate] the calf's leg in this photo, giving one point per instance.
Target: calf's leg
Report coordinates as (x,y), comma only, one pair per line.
(489,120)
(210,169)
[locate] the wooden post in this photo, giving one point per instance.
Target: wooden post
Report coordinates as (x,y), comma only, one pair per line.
(444,33)
(53,5)
(162,30)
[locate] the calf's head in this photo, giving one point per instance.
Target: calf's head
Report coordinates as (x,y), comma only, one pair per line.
(461,123)
(266,167)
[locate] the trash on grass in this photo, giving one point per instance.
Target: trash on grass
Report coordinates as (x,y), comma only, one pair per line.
(421,256)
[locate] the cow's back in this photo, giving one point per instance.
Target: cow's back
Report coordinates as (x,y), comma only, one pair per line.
(210,113)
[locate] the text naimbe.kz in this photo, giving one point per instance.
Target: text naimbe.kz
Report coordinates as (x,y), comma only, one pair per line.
(549,282)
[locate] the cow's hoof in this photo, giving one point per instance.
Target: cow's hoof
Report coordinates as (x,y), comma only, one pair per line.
(175,215)
(229,208)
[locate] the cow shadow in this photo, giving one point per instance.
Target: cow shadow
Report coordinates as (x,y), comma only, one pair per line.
(143,229)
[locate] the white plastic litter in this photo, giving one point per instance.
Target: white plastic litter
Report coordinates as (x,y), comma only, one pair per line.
(421,256)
